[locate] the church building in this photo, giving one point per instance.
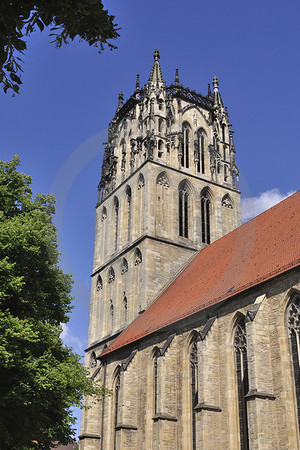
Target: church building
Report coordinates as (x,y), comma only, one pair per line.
(194,319)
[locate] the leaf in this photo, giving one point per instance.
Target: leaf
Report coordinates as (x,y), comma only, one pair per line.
(40,24)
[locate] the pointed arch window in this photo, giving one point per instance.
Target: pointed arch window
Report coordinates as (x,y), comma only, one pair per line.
(93,360)
(111,275)
(138,257)
(129,211)
(124,268)
(116,224)
(200,146)
(194,390)
(293,322)
(185,162)
(99,283)
(116,405)
(205,217)
(155,383)
(184,212)
(240,346)
(104,214)
(141,182)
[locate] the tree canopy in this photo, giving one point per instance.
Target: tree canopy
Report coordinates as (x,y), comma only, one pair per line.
(67,19)
(40,377)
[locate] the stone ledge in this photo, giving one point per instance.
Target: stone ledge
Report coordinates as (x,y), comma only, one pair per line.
(125,426)
(254,393)
(206,407)
(162,416)
(89,436)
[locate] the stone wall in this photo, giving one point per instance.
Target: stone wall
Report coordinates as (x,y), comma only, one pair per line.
(271,404)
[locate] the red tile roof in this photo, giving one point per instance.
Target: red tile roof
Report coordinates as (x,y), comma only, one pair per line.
(262,248)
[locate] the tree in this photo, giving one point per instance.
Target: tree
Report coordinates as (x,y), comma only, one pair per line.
(85,19)
(40,377)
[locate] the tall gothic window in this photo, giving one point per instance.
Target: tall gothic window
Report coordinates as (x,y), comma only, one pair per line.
(116,406)
(293,320)
(186,146)
(155,383)
(240,345)
(183,212)
(205,217)
(194,390)
(200,159)
(116,224)
(129,211)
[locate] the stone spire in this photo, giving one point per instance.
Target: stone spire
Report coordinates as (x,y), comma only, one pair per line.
(137,84)
(176,78)
(156,78)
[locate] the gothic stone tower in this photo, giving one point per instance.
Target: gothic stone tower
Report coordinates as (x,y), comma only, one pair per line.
(169,187)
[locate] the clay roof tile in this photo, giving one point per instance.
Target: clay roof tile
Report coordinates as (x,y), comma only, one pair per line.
(259,250)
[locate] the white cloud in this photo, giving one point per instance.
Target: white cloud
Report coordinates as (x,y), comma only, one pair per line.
(69,339)
(252,206)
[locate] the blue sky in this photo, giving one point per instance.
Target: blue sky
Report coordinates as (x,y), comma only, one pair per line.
(58,123)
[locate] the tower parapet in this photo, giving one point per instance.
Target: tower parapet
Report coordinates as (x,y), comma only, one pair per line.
(150,125)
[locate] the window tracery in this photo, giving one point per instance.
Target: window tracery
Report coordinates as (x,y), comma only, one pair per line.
(240,346)
(226,202)
(185,147)
(162,179)
(124,268)
(138,257)
(183,212)
(129,212)
(205,217)
(200,148)
(99,284)
(104,214)
(111,275)
(194,390)
(116,224)
(293,323)
(93,360)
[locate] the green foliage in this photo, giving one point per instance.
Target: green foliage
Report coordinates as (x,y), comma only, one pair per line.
(40,378)
(68,19)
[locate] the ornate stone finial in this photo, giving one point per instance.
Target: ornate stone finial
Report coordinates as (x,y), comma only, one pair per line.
(176,77)
(120,100)
(215,83)
(156,55)
(137,83)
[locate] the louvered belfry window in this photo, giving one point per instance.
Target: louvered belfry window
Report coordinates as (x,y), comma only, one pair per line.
(293,319)
(240,345)
(185,161)
(194,391)
(201,160)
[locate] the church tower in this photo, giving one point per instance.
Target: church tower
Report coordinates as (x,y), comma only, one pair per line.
(169,187)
